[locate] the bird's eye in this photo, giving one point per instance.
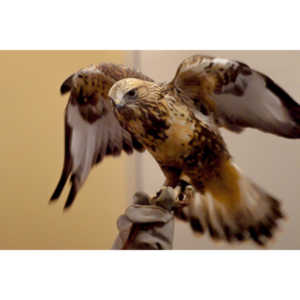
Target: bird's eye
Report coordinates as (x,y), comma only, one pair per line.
(132,93)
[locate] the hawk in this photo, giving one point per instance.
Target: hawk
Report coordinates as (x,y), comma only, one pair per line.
(179,124)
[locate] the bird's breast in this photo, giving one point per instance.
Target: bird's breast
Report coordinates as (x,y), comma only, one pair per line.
(178,134)
(177,142)
(190,144)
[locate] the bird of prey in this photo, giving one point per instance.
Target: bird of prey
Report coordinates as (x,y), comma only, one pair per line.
(179,124)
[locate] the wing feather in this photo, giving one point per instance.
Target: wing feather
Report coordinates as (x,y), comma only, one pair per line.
(241,96)
(91,129)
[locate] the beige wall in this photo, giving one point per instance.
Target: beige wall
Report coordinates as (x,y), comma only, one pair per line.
(273,162)
(32,154)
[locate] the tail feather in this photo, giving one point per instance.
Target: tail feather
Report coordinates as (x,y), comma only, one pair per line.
(233,208)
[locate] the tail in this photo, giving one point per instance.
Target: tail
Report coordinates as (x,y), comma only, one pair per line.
(233,208)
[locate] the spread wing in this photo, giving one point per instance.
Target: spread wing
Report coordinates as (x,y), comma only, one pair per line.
(239,96)
(91,128)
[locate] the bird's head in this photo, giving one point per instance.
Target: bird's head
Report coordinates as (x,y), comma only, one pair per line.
(137,104)
(130,92)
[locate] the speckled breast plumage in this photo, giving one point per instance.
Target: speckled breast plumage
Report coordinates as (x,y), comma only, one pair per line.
(177,138)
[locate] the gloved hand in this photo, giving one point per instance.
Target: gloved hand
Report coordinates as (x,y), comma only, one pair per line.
(148,223)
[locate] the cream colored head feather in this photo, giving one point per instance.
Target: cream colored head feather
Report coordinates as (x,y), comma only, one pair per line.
(131,88)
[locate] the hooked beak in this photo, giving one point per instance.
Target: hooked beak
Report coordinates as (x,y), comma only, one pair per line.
(117,98)
(120,104)
(117,104)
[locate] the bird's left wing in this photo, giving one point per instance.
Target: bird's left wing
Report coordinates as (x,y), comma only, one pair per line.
(91,129)
(238,95)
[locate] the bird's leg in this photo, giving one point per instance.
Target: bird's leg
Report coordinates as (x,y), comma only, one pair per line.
(184,194)
(176,189)
(172,175)
(172,198)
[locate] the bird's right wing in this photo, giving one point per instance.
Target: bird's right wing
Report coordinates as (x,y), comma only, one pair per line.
(91,129)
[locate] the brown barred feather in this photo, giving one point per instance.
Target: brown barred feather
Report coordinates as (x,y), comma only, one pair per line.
(91,121)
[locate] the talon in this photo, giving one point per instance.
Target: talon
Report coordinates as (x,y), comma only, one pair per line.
(185,196)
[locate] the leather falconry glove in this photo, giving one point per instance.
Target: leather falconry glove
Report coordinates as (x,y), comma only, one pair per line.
(148,223)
